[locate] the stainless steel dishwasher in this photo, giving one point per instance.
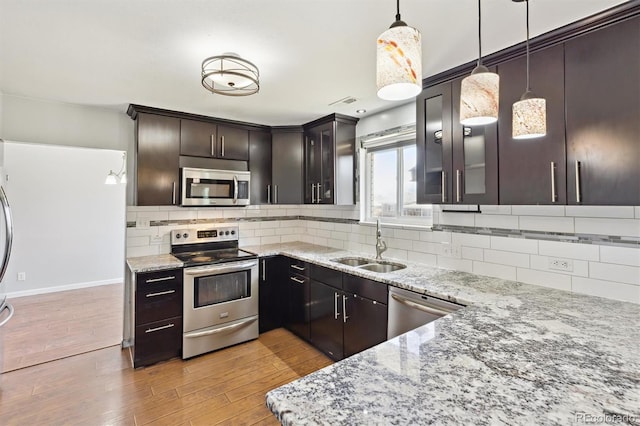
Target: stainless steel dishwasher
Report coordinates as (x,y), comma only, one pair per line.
(409,310)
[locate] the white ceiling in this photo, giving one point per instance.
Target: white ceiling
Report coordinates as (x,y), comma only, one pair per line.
(310,52)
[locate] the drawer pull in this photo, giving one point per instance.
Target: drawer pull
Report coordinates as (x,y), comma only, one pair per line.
(299,268)
(160,293)
(164,327)
(298,280)
(157,280)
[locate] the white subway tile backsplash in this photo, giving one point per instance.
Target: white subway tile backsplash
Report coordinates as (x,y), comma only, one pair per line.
(494,270)
(470,240)
(137,241)
(264,232)
(618,273)
(496,221)
(621,212)
(538,211)
(569,250)
(233,213)
(399,243)
(270,239)
(579,267)
(335,243)
(547,224)
(618,227)
(620,255)
(211,213)
(426,247)
(493,209)
(435,236)
(463,265)
(406,234)
(329,226)
(249,241)
(270,224)
(394,253)
(637,212)
(520,245)
(343,227)
(608,289)
(183,215)
(342,236)
(507,258)
(544,279)
(427,259)
(456,219)
(142,251)
(472,253)
(248,225)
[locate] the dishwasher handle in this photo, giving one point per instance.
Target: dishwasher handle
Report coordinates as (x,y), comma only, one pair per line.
(420,306)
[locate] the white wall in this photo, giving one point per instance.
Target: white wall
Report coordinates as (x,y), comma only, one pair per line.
(398,116)
(69,226)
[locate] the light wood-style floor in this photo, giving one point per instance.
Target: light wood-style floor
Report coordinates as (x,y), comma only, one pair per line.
(51,326)
(100,387)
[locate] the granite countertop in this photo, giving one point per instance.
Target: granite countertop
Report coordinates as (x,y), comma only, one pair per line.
(155,262)
(518,354)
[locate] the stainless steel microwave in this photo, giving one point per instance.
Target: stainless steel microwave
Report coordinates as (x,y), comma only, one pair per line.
(206,187)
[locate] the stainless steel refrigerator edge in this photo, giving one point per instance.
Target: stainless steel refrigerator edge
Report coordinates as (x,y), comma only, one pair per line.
(6,310)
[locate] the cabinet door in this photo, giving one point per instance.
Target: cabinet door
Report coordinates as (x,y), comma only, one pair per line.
(433,141)
(527,166)
(312,165)
(157,341)
(326,319)
(297,313)
(157,161)
(197,138)
(326,190)
(287,162)
(474,175)
(366,324)
(233,143)
(260,167)
(271,295)
(603,116)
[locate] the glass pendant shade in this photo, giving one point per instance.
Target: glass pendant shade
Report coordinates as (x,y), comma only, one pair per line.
(529,117)
(399,63)
(111,179)
(479,97)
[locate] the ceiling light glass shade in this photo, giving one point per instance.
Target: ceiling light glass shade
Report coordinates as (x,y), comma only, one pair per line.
(399,63)
(529,117)
(111,179)
(479,96)
(123,179)
(230,75)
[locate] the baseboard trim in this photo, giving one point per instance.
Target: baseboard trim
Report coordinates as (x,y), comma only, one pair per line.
(75,286)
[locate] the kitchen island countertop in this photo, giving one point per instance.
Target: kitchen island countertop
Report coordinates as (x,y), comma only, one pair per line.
(518,354)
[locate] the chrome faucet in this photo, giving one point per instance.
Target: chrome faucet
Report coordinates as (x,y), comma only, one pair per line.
(381,246)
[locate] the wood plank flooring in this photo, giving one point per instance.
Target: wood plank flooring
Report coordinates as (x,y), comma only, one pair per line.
(100,387)
(51,326)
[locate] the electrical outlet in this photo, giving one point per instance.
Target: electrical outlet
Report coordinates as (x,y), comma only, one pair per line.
(142,223)
(156,239)
(558,264)
(22,276)
(451,251)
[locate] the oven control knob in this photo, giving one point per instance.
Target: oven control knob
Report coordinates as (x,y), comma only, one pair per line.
(178,236)
(185,235)
(226,232)
(233,232)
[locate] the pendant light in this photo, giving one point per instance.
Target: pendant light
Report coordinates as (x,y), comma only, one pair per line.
(113,178)
(530,112)
(479,91)
(399,61)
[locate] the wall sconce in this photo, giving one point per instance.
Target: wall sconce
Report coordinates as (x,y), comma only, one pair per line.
(121,176)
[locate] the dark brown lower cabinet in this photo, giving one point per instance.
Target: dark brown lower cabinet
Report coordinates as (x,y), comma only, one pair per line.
(158,317)
(366,324)
(296,291)
(271,295)
(326,319)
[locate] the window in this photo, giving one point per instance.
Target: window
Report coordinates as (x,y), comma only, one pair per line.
(390,180)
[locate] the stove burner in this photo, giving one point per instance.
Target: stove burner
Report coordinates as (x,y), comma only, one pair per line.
(201,258)
(213,256)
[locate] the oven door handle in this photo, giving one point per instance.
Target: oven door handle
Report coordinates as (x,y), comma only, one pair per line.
(221,329)
(221,269)
(235,189)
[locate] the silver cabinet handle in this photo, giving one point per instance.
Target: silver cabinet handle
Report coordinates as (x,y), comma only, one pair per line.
(164,327)
(160,293)
(298,280)
(318,198)
(299,268)
(418,306)
(6,320)
(213,145)
(335,306)
(235,189)
(268,194)
(173,193)
(578,195)
(443,183)
(344,308)
(157,280)
(222,145)
(264,270)
(275,194)
(313,193)
(554,195)
(458,178)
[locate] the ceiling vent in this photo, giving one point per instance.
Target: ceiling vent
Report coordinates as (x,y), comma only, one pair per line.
(346,100)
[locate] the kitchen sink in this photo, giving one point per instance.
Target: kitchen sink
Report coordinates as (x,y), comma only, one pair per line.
(352,261)
(370,264)
(383,267)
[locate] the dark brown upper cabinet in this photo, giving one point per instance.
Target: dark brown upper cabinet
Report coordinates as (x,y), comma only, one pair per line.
(330,141)
(456,164)
(532,171)
(287,165)
(260,166)
(157,141)
(208,139)
(603,115)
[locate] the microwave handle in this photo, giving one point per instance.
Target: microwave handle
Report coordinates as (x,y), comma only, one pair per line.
(235,189)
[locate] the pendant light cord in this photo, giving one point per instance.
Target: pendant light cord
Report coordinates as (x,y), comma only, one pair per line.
(479,34)
(528,85)
(398,11)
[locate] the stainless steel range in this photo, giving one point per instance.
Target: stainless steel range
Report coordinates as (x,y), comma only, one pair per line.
(220,305)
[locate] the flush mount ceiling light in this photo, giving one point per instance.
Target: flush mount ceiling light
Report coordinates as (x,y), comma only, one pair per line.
(530,112)
(399,61)
(228,74)
(121,176)
(479,91)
